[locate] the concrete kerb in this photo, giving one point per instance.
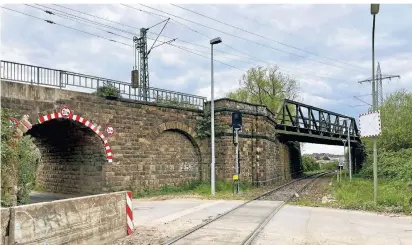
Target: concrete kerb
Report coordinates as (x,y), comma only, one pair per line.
(92,219)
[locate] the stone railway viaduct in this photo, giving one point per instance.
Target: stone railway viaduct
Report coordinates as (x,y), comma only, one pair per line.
(153,145)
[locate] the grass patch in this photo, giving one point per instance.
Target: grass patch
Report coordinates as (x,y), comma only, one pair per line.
(313,172)
(393,195)
(224,190)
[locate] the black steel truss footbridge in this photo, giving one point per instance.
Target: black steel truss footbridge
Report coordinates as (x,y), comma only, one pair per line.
(304,123)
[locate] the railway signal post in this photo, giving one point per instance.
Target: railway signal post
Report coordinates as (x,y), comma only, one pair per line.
(237,127)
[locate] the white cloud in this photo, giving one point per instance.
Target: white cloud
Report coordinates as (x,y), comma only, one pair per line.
(354,39)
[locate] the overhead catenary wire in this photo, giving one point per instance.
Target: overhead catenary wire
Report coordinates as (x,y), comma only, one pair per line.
(228,46)
(68,16)
(75,29)
(261,36)
(83,22)
(68,27)
(242,38)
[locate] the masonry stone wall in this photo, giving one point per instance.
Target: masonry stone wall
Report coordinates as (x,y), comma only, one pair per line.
(72,157)
(152,145)
(142,132)
(263,159)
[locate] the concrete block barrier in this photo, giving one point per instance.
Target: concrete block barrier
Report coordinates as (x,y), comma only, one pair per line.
(96,219)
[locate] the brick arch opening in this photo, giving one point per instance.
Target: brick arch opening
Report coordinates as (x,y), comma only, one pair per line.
(72,155)
(174,157)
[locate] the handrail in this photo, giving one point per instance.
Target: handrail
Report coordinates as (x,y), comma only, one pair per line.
(42,76)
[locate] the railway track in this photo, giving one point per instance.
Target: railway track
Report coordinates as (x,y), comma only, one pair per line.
(258,209)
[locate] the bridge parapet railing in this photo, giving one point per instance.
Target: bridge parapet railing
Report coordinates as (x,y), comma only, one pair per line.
(43,76)
(305,117)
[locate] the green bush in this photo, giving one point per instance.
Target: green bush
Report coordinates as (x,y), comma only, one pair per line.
(391,165)
(18,164)
(395,141)
(330,166)
(108,90)
(174,102)
(309,164)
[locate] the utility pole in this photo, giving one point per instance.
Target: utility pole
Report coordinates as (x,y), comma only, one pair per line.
(140,45)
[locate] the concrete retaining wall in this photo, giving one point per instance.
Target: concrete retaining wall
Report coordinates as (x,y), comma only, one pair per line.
(94,219)
(5,218)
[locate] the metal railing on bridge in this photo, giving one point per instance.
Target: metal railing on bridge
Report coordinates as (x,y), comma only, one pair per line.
(43,76)
(298,117)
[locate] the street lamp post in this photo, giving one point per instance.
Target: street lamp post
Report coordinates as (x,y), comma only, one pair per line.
(214,41)
(348,123)
(374,11)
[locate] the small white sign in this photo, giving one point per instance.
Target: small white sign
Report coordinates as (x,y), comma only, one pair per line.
(370,124)
(340,162)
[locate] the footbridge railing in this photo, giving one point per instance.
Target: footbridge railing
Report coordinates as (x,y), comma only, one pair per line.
(43,76)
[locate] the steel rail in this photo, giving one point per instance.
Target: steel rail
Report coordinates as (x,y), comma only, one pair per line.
(251,237)
(198,227)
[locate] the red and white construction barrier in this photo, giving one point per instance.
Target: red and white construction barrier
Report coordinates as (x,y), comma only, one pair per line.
(129,213)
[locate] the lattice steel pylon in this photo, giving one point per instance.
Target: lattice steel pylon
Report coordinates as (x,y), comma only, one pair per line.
(379,86)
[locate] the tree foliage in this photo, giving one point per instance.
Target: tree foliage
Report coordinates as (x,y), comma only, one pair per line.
(266,86)
(396,117)
(395,142)
(309,164)
(18,164)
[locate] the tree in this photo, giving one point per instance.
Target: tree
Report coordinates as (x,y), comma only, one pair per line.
(266,86)
(309,163)
(396,117)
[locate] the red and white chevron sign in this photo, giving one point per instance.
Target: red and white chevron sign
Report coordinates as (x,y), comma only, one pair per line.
(129,213)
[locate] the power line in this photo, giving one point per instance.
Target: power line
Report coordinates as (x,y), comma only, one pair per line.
(260,60)
(115,22)
(78,21)
(259,23)
(65,14)
(258,35)
(242,38)
(180,47)
(252,57)
(68,27)
(60,13)
(75,29)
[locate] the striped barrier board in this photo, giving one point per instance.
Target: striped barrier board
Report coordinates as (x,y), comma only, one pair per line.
(129,213)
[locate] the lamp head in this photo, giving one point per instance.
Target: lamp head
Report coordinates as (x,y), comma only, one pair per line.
(215,40)
(374,8)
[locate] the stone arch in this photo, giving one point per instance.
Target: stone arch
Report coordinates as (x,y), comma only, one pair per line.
(94,127)
(179,127)
(173,155)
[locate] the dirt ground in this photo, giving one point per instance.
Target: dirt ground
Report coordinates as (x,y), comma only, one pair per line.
(316,191)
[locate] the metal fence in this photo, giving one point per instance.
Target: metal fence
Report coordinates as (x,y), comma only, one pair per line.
(43,76)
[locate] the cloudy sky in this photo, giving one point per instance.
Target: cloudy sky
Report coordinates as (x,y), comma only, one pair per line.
(327,48)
